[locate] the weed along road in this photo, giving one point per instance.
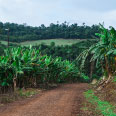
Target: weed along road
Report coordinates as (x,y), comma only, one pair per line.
(66,100)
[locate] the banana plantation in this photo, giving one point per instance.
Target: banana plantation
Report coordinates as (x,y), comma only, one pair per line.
(23,67)
(26,67)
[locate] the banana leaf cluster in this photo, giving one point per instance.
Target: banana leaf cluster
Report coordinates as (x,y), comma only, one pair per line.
(26,67)
(103,53)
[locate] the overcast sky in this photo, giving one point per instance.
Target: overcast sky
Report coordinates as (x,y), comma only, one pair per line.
(37,12)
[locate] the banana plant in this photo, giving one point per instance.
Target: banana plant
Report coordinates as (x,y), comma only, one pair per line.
(103,53)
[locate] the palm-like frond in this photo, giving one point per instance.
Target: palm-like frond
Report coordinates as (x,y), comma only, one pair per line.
(103,52)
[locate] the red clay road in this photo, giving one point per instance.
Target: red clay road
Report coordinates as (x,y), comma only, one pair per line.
(65,100)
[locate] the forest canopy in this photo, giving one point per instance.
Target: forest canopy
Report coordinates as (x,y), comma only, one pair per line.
(22,32)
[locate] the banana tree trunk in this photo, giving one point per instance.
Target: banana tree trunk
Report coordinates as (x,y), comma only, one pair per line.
(92,69)
(15,83)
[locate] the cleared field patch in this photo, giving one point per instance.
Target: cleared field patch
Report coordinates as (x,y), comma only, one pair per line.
(6,43)
(47,42)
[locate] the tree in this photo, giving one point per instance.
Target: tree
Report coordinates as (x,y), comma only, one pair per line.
(103,53)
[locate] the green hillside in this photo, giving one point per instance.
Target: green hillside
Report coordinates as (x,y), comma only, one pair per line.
(47,42)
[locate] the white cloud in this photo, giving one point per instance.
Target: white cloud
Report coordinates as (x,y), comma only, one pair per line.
(110,18)
(36,12)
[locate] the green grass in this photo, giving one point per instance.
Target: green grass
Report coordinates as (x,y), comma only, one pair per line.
(114,80)
(104,107)
(6,43)
(18,95)
(28,92)
(47,42)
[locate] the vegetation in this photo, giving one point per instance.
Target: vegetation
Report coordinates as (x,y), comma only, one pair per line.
(20,94)
(102,107)
(67,52)
(26,67)
(22,33)
(2,47)
(103,54)
(58,42)
(101,100)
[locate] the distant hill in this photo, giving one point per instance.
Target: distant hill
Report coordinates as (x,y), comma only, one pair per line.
(22,33)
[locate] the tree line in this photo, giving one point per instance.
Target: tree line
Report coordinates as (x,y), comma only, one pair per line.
(22,32)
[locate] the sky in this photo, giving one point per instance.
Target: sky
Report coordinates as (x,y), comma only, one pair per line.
(37,12)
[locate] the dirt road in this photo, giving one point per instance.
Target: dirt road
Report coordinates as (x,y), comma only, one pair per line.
(65,100)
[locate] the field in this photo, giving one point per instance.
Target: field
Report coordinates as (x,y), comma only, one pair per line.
(47,42)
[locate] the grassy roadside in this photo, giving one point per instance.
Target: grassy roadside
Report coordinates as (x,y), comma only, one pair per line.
(101,103)
(18,95)
(21,94)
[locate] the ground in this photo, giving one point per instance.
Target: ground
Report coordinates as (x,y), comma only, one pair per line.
(100,102)
(65,100)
